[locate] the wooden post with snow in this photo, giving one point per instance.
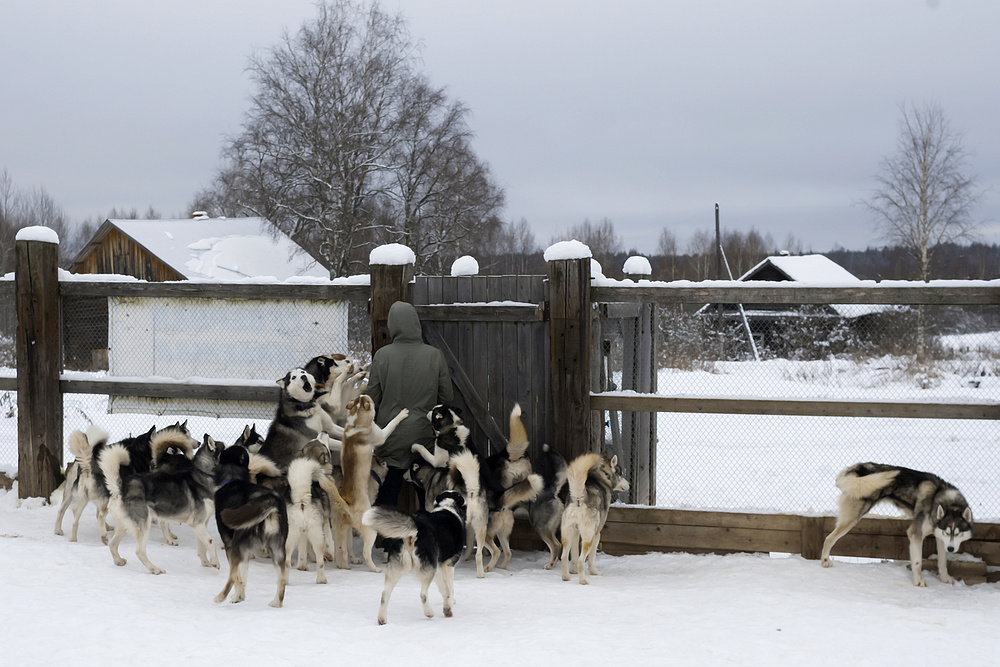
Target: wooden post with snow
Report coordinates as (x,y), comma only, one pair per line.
(640,376)
(39,402)
(391,270)
(569,347)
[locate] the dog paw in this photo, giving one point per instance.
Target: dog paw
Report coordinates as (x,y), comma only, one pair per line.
(274,603)
(219,599)
(59,531)
(321,581)
(157,570)
(447,612)
(120,562)
(947,579)
(920,582)
(826,562)
(405,412)
(381,620)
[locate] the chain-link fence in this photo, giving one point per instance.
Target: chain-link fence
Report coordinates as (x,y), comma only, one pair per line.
(873,354)
(195,340)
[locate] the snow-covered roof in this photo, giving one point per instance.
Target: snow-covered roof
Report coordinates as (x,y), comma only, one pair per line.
(222,248)
(815,270)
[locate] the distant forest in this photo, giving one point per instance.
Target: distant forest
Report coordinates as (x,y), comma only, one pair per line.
(976,261)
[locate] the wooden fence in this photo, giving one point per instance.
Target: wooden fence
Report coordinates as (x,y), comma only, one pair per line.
(565,409)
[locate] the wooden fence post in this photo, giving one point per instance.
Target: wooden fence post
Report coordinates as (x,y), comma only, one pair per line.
(39,403)
(640,376)
(569,345)
(389,283)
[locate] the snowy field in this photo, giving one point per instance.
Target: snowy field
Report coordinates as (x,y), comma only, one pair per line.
(66,602)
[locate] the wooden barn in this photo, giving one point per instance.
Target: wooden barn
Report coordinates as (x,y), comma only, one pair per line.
(200,248)
(195,249)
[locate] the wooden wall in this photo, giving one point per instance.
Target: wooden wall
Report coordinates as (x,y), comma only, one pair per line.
(117,253)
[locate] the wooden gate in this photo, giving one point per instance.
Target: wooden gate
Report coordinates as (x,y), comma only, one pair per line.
(493,332)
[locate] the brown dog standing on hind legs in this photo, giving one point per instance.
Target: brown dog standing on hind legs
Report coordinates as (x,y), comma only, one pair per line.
(361,436)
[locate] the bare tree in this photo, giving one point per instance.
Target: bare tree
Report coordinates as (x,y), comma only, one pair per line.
(667,248)
(26,208)
(923,197)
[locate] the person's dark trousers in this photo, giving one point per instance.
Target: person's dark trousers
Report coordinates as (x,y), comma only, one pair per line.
(388,492)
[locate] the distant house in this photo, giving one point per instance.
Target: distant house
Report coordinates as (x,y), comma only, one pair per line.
(778,327)
(195,249)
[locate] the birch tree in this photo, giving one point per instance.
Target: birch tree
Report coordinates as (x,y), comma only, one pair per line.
(923,196)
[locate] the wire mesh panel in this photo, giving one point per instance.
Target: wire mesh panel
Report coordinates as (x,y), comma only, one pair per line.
(8,375)
(225,341)
(867,354)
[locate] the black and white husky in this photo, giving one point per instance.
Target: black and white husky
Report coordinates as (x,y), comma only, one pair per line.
(935,506)
(427,543)
(545,511)
(297,421)
(592,479)
(180,488)
(251,518)
(338,382)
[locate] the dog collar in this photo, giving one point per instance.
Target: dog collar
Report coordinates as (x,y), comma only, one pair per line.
(304,406)
(378,480)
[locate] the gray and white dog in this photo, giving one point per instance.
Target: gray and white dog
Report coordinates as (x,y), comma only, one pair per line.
(297,421)
(180,488)
(935,506)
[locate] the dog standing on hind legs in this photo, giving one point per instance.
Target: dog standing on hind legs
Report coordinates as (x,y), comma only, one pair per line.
(935,506)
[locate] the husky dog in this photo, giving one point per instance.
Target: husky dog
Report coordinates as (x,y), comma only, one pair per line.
(429,543)
(934,505)
(545,511)
(140,461)
(306,518)
(80,487)
(338,382)
(464,477)
(361,437)
(520,486)
(179,489)
(297,420)
(250,439)
(431,479)
(592,478)
(450,436)
(250,518)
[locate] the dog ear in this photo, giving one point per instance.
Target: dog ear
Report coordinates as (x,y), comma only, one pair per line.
(284,381)
(939,513)
(353,402)
(967,514)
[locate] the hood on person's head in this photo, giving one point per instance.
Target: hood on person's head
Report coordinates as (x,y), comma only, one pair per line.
(403,323)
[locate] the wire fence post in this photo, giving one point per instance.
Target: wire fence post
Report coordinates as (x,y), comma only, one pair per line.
(39,402)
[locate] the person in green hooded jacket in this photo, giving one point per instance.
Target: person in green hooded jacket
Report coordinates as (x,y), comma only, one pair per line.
(407,373)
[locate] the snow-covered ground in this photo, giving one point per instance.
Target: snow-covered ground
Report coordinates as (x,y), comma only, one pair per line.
(66,602)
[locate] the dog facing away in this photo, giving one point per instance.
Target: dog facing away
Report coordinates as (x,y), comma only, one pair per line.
(250,518)
(427,543)
(80,488)
(464,477)
(546,510)
(935,507)
(361,437)
(296,421)
(140,461)
(176,490)
(592,479)
(306,517)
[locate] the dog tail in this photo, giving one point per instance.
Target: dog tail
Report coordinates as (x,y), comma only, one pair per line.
(578,472)
(463,470)
(111,462)
(518,443)
(332,492)
(523,492)
(301,475)
(262,465)
(390,522)
(860,481)
(255,511)
(80,448)
(553,469)
(96,435)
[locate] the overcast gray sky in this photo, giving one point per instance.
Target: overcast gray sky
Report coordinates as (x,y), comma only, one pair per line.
(645,113)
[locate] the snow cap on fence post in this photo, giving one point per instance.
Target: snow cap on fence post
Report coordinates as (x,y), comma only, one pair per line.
(392,254)
(466,265)
(637,268)
(37,233)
